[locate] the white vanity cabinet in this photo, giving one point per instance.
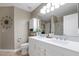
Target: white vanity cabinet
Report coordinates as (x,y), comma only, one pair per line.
(53,50)
(42,48)
(32,46)
(39,48)
(36,48)
(67,52)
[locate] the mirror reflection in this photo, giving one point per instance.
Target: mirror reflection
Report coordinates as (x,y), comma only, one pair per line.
(58,19)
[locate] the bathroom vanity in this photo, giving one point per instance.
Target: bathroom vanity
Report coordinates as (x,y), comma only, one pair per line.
(42,46)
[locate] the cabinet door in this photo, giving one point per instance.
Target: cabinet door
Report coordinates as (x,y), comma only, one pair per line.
(35,47)
(59,51)
(42,48)
(32,47)
(67,52)
(52,50)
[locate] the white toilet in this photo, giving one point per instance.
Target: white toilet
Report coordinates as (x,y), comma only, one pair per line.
(24,48)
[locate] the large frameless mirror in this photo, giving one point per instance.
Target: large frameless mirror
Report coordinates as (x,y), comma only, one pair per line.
(58,18)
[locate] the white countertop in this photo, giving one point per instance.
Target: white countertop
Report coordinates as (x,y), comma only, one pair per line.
(71,45)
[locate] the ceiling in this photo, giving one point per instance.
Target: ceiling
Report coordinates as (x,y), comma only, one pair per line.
(25,6)
(66,9)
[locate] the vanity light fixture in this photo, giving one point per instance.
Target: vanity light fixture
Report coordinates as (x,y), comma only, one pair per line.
(43,10)
(50,7)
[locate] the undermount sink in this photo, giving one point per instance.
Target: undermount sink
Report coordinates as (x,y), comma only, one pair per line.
(48,37)
(59,41)
(54,40)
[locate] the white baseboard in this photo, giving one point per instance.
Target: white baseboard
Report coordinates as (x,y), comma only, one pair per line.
(10,50)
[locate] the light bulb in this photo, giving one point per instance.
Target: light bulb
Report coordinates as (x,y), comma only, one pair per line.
(48,5)
(57,5)
(48,10)
(52,8)
(43,10)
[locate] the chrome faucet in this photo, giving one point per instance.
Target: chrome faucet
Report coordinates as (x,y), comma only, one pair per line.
(47,36)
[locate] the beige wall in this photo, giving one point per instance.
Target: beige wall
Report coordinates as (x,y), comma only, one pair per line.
(18,33)
(47,27)
(7,36)
(53,24)
(21,18)
(57,25)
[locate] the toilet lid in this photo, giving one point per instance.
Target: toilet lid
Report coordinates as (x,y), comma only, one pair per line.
(25,44)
